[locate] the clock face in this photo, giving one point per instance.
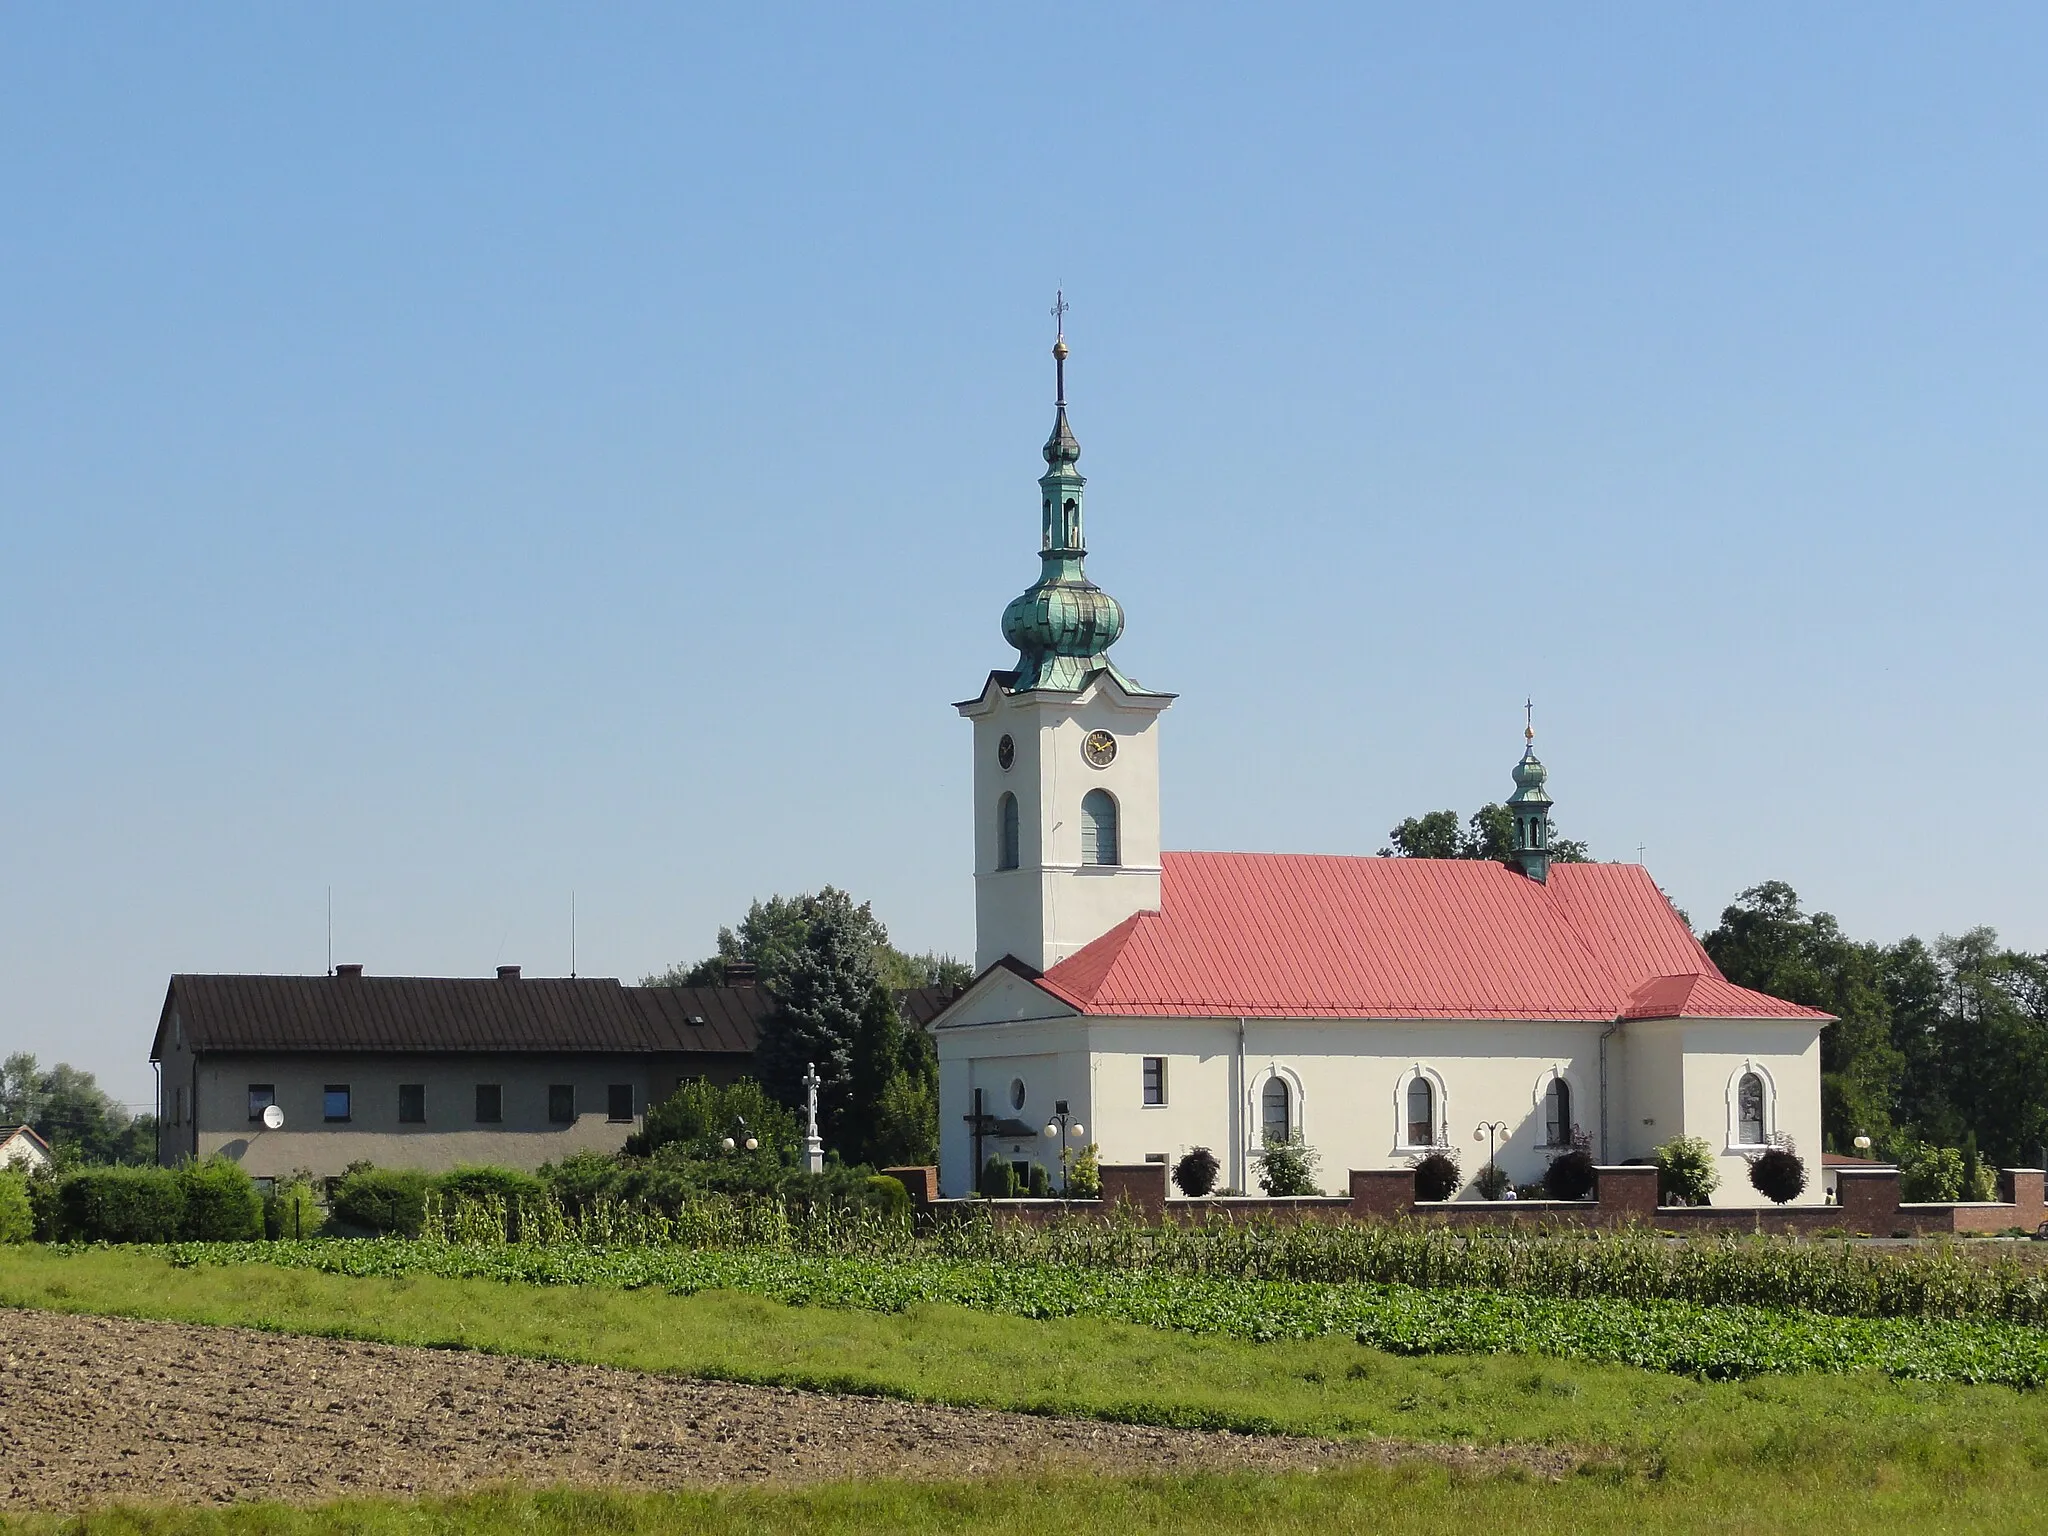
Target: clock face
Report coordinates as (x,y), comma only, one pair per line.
(1099,749)
(1006,753)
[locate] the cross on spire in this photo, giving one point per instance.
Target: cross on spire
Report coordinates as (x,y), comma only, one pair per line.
(1528,719)
(1060,306)
(1059,345)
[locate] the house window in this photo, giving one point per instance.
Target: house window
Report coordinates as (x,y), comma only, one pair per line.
(618,1101)
(1006,831)
(490,1103)
(261,1097)
(1155,1079)
(412,1103)
(562,1103)
(1098,829)
(1557,1114)
(334,1101)
(1276,1112)
(1421,1113)
(1749,1110)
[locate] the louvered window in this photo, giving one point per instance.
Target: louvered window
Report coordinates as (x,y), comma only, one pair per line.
(1421,1113)
(1006,832)
(1276,1112)
(1098,829)
(1557,1114)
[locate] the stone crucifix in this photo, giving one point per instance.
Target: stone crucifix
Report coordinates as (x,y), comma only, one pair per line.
(814,1144)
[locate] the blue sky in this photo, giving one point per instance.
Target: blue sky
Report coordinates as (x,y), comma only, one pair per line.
(467,454)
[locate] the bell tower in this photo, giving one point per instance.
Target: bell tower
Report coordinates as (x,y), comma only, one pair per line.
(1066,753)
(1530,804)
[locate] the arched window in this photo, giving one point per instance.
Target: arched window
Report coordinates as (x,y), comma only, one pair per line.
(1749,1110)
(1006,831)
(1557,1114)
(1421,1113)
(1276,1112)
(1098,828)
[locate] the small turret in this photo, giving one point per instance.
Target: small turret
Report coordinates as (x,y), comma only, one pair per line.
(1531,807)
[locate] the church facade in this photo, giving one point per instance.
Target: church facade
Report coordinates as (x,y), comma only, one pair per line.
(1375,1008)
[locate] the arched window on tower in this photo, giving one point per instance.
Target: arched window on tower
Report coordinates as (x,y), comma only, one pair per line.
(1006,831)
(1098,828)
(1421,1113)
(1276,1112)
(1557,1114)
(1749,1110)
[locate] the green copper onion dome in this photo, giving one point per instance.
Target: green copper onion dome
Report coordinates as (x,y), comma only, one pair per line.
(1529,774)
(1063,624)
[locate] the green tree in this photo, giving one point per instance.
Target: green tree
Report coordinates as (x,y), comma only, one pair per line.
(822,1009)
(775,932)
(1488,833)
(68,1109)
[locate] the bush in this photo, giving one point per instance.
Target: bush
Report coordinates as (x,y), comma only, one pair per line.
(291,1209)
(1085,1181)
(1493,1182)
(17,1220)
(1570,1175)
(887,1195)
(998,1180)
(1778,1174)
(121,1205)
(43,1204)
(221,1202)
(1195,1174)
(579,1180)
(1686,1174)
(481,1181)
(1436,1175)
(1288,1167)
(383,1200)
(1038,1186)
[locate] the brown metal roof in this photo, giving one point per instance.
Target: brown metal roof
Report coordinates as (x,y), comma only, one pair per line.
(703,1018)
(457,1014)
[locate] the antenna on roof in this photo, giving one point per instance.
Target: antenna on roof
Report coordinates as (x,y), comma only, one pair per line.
(330,930)
(572,935)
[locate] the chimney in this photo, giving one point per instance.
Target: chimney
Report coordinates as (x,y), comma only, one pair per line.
(348,972)
(739,973)
(508,973)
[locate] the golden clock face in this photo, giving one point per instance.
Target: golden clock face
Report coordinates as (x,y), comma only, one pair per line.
(1099,749)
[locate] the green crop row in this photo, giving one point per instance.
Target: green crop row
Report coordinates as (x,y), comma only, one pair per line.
(1694,1339)
(1944,1280)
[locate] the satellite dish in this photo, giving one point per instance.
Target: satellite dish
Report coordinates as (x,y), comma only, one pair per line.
(273,1117)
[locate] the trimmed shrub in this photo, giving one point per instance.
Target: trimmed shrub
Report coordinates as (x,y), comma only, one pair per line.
(292,1210)
(121,1205)
(998,1180)
(221,1202)
(1493,1182)
(1195,1174)
(1570,1175)
(1039,1186)
(480,1181)
(17,1221)
(1778,1174)
(383,1200)
(1686,1174)
(887,1195)
(1436,1175)
(1288,1167)
(1085,1181)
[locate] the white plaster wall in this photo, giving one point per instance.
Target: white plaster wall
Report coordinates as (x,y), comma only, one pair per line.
(1052,904)
(1786,1053)
(1351,1078)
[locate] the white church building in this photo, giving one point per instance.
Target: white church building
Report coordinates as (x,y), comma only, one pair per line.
(1375,1007)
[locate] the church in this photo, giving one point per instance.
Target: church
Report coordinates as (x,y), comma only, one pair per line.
(1377,1008)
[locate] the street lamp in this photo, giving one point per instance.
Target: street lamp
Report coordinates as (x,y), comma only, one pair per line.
(1491,1130)
(1862,1142)
(740,1136)
(1058,1129)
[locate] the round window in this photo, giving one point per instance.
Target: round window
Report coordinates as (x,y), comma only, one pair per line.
(1017,1093)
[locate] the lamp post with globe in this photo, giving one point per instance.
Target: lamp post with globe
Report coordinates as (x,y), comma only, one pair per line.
(1058,1130)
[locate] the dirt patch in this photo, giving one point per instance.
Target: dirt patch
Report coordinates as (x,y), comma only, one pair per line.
(108,1409)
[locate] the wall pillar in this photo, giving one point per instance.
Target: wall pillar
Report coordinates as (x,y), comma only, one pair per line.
(1141,1186)
(1869,1199)
(2021,1188)
(1626,1193)
(1382,1194)
(923,1183)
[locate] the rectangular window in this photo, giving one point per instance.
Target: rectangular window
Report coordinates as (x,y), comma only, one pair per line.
(261,1097)
(490,1103)
(562,1104)
(334,1101)
(412,1103)
(1155,1079)
(619,1101)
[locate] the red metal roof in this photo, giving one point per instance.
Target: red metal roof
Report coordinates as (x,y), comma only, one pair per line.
(1306,936)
